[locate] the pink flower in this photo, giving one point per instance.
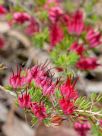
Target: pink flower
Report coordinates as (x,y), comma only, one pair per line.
(75,24)
(55,13)
(42,80)
(2,42)
(48,89)
(87,63)
(68,91)
(66,106)
(94,38)
(32,27)
(2,10)
(39,110)
(56,34)
(78,48)
(21,17)
(16,80)
(24,100)
(82,128)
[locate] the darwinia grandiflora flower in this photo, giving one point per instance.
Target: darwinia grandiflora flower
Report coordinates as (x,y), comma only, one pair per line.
(43,80)
(38,91)
(3,10)
(21,17)
(82,128)
(46,98)
(69,95)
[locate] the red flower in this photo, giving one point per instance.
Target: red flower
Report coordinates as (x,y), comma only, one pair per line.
(2,10)
(75,24)
(68,91)
(87,63)
(32,27)
(56,34)
(94,38)
(40,76)
(24,100)
(66,106)
(55,13)
(21,17)
(82,128)
(16,80)
(39,110)
(2,42)
(48,88)
(78,48)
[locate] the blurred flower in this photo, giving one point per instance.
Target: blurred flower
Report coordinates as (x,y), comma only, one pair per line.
(2,10)
(78,48)
(87,63)
(55,13)
(56,34)
(32,27)
(2,42)
(21,17)
(66,106)
(82,128)
(24,100)
(94,38)
(75,24)
(68,91)
(39,110)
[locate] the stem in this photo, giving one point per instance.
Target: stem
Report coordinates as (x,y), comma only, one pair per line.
(90,112)
(25,116)
(5,90)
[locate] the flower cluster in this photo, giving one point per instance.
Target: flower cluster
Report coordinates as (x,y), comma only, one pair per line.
(43,80)
(76,27)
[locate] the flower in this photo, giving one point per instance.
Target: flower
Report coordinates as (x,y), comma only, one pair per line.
(82,128)
(75,24)
(21,17)
(24,100)
(94,38)
(68,91)
(42,80)
(39,110)
(55,13)
(56,34)
(2,10)
(16,80)
(32,27)
(2,42)
(78,48)
(87,63)
(66,106)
